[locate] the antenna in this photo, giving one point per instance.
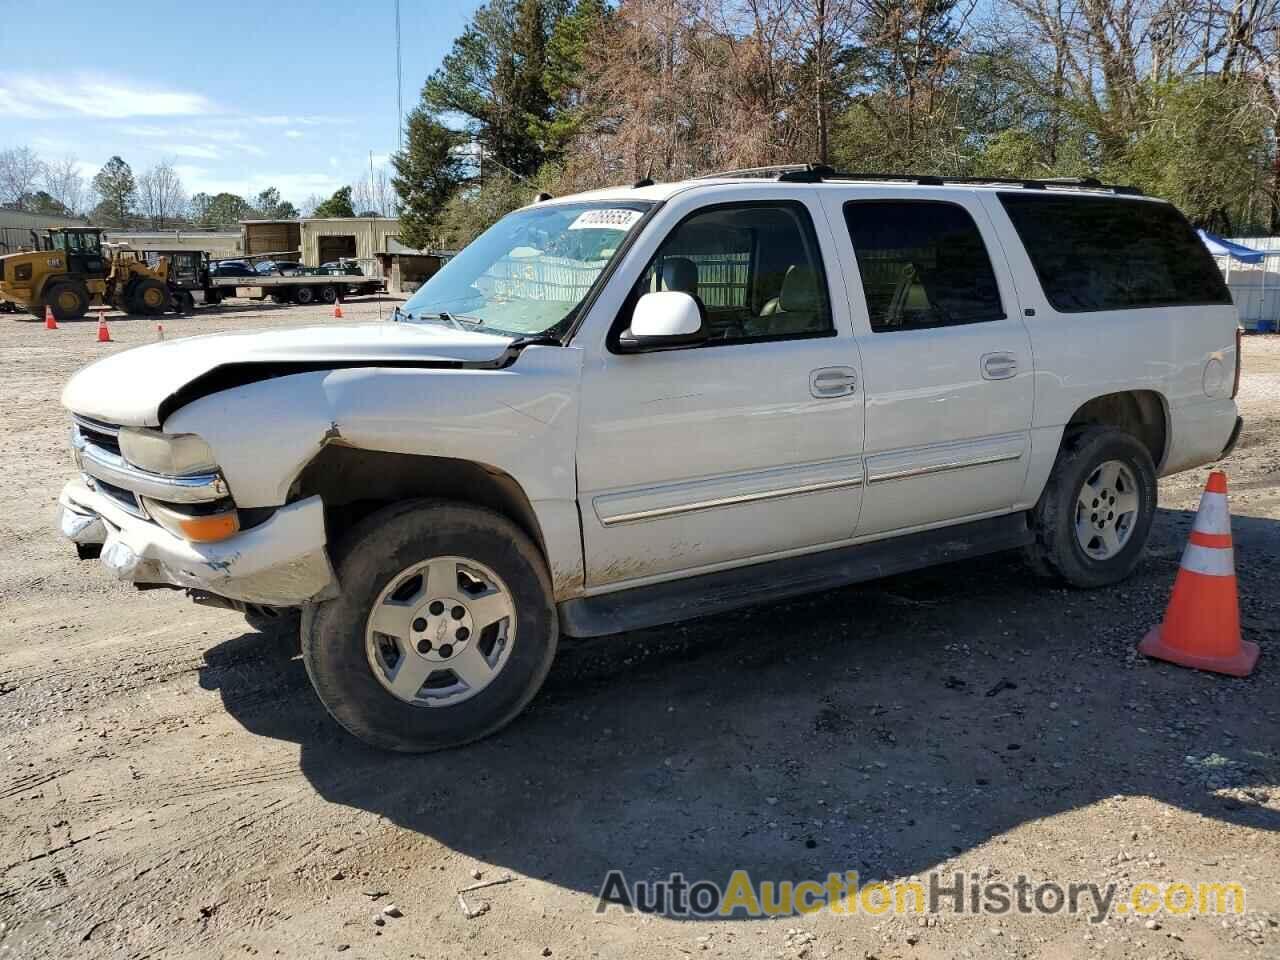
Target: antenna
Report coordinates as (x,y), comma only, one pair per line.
(399,87)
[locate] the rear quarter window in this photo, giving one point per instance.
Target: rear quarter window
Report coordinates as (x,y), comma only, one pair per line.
(1104,253)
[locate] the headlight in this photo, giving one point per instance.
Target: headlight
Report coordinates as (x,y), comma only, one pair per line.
(168,454)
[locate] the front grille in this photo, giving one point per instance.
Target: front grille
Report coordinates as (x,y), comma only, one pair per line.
(99,434)
(126,498)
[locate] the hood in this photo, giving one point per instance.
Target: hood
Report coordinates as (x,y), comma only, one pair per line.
(132,387)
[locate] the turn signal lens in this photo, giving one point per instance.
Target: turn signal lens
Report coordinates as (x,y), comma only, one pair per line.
(210,529)
(201,528)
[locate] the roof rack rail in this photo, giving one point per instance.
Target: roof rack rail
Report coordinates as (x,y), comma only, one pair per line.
(821,172)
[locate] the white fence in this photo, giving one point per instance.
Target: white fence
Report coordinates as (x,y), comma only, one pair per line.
(1255,287)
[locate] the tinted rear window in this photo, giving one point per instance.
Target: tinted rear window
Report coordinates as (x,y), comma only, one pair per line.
(1100,253)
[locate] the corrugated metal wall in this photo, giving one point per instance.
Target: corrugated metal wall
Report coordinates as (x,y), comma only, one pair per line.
(215,243)
(369,237)
(271,236)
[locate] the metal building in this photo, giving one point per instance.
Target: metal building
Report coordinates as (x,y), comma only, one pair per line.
(218,243)
(347,238)
(16,227)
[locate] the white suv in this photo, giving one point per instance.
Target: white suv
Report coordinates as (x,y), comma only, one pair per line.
(638,405)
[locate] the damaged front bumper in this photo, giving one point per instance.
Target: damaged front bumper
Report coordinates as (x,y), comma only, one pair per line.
(282,562)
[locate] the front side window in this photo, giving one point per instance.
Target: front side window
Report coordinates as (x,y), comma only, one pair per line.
(755,269)
(1111,253)
(923,264)
(528,274)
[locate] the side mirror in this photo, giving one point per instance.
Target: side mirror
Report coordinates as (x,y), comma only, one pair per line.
(669,318)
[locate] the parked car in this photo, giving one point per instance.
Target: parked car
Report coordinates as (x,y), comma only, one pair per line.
(648,404)
(231,268)
(284,268)
(349,267)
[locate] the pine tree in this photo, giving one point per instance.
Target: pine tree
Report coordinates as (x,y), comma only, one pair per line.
(117,188)
(427,172)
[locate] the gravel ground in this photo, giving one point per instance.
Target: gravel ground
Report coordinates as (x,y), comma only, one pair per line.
(171,786)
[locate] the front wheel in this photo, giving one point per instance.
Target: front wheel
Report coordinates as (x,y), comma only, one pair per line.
(444,631)
(304,295)
(149,298)
(1092,521)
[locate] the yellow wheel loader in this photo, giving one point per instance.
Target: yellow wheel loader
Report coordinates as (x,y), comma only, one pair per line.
(69,272)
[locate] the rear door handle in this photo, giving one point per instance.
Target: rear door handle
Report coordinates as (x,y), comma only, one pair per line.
(999,366)
(833,382)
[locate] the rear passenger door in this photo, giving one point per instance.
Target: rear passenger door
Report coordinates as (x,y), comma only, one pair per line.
(947,365)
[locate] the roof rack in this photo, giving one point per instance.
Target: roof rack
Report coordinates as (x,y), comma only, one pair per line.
(820,173)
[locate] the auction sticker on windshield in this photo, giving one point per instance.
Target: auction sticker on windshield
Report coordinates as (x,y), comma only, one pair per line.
(606,218)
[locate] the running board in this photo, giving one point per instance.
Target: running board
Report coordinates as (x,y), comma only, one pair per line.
(764,583)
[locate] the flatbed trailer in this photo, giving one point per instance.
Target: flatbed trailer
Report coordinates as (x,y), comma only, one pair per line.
(298,288)
(192,280)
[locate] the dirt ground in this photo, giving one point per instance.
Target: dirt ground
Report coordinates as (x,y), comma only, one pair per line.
(170,785)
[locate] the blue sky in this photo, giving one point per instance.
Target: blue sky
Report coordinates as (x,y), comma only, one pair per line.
(238,96)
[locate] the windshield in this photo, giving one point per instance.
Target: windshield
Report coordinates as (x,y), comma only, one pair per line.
(528,273)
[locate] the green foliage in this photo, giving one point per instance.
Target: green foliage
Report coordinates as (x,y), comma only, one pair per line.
(472,210)
(221,211)
(562,77)
(1199,150)
(427,172)
(339,205)
(117,188)
(269,206)
(41,202)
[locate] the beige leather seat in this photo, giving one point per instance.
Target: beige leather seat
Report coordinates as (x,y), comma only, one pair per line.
(796,309)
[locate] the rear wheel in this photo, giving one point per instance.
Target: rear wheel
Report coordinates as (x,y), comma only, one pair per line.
(69,301)
(149,298)
(443,632)
(1092,521)
(304,295)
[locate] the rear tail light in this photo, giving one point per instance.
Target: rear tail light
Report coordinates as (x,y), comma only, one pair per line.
(1235,384)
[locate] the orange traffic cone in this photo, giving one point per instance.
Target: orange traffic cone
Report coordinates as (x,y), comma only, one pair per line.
(159,329)
(104,335)
(1201,627)
(337,311)
(49,322)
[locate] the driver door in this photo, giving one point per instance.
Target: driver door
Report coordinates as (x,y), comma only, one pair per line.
(742,447)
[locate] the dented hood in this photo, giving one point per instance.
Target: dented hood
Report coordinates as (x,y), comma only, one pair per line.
(133,387)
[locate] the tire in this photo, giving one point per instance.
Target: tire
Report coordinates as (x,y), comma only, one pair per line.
(329,294)
(149,298)
(1064,518)
(69,301)
(349,663)
(304,295)
(212,298)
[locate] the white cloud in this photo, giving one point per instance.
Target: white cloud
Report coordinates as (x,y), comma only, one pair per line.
(192,150)
(294,134)
(41,97)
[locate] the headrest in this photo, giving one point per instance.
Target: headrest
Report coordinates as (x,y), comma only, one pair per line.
(799,289)
(680,273)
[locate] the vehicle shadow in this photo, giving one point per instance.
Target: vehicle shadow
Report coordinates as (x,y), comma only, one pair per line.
(884,728)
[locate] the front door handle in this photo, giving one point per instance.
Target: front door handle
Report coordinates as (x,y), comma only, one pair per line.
(833,382)
(999,366)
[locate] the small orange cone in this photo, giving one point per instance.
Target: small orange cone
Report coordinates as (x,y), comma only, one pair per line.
(49,322)
(337,311)
(159,329)
(104,335)
(1201,627)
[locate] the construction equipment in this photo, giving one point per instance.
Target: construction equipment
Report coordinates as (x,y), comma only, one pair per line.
(72,272)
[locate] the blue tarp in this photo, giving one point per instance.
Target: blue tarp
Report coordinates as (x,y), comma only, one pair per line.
(1225,248)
